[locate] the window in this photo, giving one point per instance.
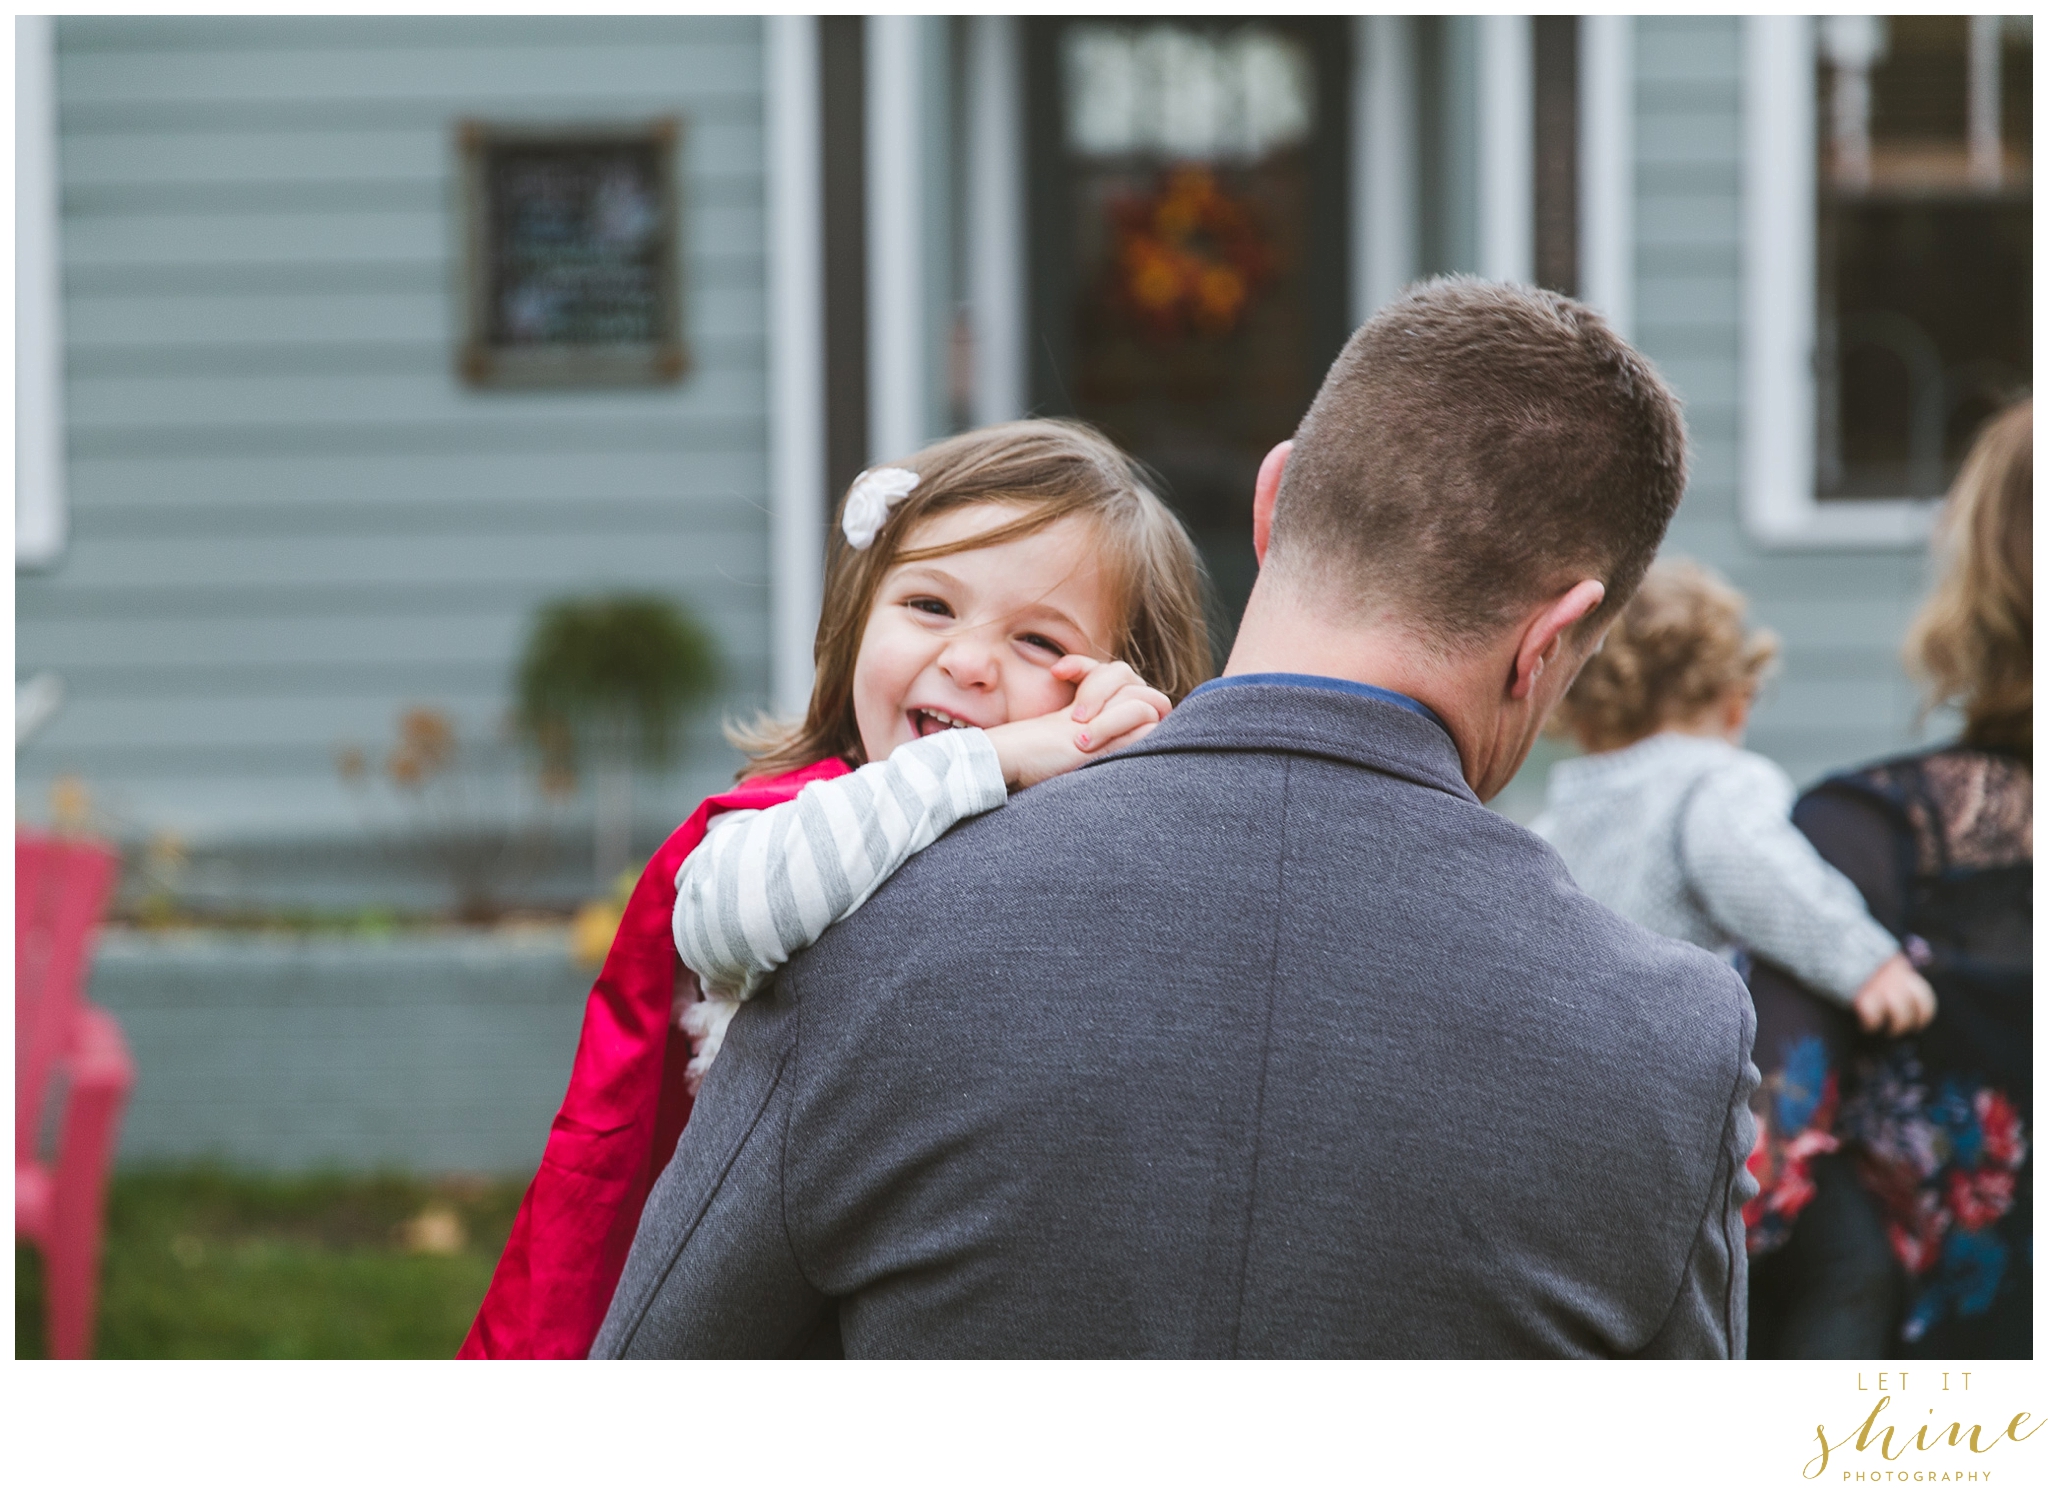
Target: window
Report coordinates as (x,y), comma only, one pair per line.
(1924,244)
(571,255)
(1174,92)
(1888,268)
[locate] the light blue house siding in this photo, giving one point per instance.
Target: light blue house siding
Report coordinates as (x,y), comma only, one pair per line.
(289,519)
(1842,696)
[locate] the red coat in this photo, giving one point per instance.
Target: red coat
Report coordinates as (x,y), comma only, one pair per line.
(626,1105)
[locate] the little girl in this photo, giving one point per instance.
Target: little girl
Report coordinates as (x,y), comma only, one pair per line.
(989,576)
(999,608)
(1670,822)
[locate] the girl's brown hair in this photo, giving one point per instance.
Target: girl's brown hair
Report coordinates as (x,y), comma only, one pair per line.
(1678,646)
(1973,641)
(1050,469)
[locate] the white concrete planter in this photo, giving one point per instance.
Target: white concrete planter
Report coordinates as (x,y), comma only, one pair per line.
(443,1053)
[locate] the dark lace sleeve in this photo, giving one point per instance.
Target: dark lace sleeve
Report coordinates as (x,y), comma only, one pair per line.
(1861,837)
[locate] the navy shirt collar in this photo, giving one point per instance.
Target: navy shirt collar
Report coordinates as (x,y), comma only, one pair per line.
(1328,684)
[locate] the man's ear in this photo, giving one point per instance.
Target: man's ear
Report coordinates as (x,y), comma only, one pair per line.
(1543,637)
(1265,491)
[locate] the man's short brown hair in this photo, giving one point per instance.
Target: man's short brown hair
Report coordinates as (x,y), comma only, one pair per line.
(1477,448)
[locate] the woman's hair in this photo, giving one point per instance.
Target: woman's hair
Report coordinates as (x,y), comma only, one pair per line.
(1050,469)
(1678,646)
(1973,641)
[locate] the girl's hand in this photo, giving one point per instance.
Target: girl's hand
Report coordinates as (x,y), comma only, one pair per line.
(1112,708)
(1895,999)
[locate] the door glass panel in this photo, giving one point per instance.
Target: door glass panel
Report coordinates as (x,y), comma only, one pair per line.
(1188,260)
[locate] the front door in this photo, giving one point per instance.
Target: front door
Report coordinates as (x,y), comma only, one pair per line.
(1188,231)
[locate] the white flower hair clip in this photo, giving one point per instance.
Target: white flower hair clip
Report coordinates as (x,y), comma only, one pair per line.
(868,503)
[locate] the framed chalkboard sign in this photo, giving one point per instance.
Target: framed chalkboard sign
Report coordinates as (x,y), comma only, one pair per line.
(571,257)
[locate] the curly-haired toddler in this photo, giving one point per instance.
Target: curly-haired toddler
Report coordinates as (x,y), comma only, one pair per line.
(1670,822)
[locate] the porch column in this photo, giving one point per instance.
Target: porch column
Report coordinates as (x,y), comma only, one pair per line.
(1507,149)
(796,356)
(1384,255)
(995,208)
(900,335)
(1607,157)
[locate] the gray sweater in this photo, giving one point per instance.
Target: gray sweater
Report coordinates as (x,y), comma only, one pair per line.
(1262,1038)
(1693,838)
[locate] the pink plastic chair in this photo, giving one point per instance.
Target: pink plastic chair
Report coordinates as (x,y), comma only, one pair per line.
(61,887)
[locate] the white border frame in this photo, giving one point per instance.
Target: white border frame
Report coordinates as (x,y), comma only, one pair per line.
(1779,508)
(41,513)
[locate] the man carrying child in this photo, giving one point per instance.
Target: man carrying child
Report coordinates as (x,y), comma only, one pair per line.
(1262,1037)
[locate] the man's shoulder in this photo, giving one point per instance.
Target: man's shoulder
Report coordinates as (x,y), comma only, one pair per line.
(1142,841)
(1666,1009)
(1521,909)
(1081,848)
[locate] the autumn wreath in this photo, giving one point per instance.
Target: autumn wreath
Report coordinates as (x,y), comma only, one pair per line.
(1188,256)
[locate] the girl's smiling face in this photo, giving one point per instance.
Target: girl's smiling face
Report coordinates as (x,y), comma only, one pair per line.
(970,638)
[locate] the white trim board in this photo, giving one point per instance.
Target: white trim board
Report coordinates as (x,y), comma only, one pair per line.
(41,519)
(796,345)
(1779,507)
(899,372)
(1607,168)
(1383,211)
(1507,149)
(995,204)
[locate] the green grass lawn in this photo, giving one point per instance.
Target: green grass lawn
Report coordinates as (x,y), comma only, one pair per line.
(202,1263)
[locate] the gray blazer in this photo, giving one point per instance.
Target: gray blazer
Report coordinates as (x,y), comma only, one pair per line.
(1262,1038)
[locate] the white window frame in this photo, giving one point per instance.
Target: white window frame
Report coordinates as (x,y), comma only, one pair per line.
(1779,506)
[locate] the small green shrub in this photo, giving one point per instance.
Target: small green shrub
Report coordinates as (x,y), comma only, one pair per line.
(612,675)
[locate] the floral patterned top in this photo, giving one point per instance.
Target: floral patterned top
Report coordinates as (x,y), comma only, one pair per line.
(1937,1124)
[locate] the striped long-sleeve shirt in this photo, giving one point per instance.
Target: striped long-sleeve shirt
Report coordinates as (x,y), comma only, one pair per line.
(766,884)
